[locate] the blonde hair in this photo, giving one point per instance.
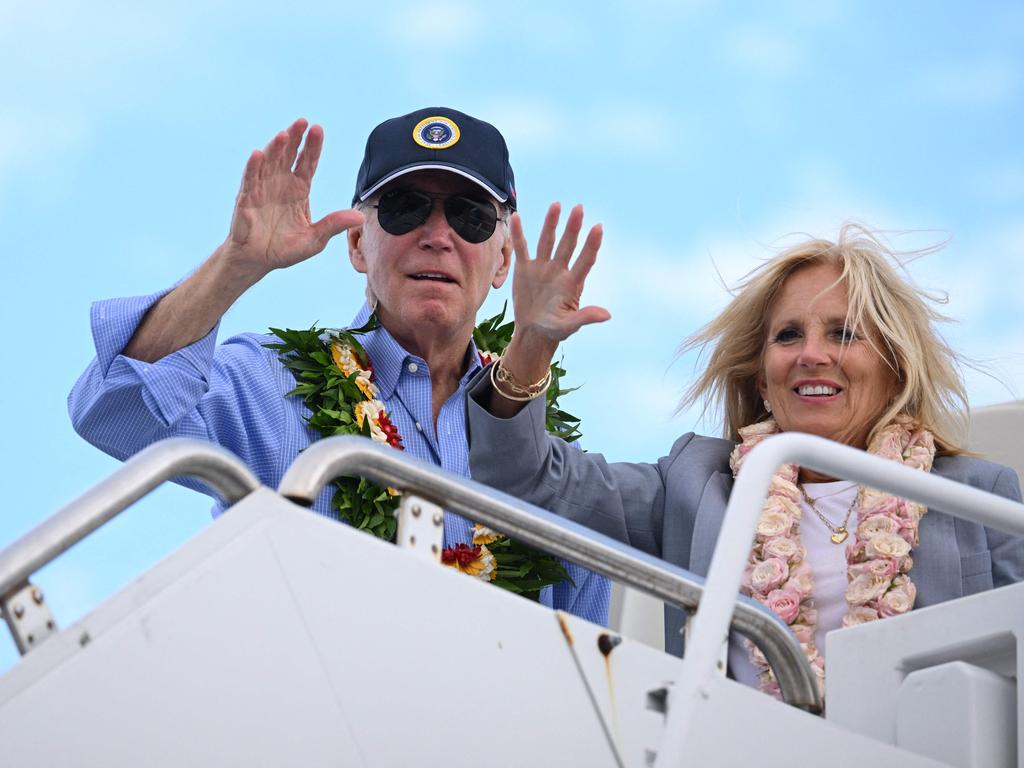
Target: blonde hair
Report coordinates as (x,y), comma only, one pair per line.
(896,314)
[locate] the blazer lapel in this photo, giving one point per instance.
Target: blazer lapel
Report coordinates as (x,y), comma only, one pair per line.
(936,571)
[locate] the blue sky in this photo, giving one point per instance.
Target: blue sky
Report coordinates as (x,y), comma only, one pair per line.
(700,134)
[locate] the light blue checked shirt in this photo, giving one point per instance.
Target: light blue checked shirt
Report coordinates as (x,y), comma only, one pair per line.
(235,395)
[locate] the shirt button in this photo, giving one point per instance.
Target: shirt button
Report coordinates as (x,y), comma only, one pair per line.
(419,427)
(413,367)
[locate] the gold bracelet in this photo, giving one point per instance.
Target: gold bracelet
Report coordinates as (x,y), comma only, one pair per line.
(520,394)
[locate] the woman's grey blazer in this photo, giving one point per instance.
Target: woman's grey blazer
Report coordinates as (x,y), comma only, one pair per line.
(673,509)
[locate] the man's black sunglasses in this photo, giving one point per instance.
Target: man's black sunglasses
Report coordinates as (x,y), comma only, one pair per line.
(402,210)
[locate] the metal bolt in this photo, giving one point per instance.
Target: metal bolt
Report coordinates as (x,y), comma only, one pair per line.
(84,639)
(37,595)
(416,510)
(438,519)
(31,639)
(412,541)
(19,610)
(49,624)
(434,549)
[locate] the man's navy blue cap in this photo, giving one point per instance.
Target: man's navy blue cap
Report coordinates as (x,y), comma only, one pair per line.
(437,138)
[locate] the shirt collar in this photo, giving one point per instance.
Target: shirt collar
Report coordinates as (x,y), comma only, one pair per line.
(389,358)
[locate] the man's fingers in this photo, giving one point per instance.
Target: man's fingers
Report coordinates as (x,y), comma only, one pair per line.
(251,174)
(570,236)
(291,147)
(547,233)
(588,255)
(309,158)
(274,151)
(590,315)
(519,244)
(335,223)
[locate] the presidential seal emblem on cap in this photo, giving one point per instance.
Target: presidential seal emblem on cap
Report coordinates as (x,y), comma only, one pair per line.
(436,133)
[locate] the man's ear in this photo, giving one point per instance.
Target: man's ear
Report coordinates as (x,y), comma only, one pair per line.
(355,249)
(505,256)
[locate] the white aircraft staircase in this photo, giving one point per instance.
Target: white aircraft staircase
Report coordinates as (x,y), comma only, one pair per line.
(276,637)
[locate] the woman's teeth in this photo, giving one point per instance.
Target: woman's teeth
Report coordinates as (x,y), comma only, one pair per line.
(816,389)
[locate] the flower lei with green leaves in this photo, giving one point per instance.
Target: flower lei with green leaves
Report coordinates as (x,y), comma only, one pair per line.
(334,376)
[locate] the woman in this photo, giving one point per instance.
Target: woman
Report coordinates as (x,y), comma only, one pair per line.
(826,339)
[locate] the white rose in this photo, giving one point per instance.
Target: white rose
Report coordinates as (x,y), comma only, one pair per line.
(860,614)
(773,524)
(783,548)
(872,526)
(865,588)
(887,545)
(898,600)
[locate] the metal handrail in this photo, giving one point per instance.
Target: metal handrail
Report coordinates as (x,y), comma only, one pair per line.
(217,467)
(711,623)
(356,456)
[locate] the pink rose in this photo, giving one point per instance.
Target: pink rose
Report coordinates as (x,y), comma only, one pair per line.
(757,657)
(745,586)
(883,568)
(801,579)
(772,689)
(855,550)
(804,634)
(784,603)
(768,575)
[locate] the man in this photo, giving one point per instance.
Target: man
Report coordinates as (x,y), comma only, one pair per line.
(430,232)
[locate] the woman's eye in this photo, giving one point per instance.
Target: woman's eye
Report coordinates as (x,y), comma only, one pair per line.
(846,335)
(786,335)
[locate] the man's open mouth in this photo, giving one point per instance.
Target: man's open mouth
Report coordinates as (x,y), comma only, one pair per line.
(436,276)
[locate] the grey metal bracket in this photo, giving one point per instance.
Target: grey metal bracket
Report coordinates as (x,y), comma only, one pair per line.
(420,527)
(28,617)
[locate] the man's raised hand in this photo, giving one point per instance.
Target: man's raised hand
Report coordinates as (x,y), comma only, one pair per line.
(546,293)
(546,290)
(271,226)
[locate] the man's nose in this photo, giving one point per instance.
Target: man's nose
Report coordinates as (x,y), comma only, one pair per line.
(436,231)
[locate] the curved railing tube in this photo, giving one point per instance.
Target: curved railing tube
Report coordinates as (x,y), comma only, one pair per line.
(177,457)
(711,623)
(355,456)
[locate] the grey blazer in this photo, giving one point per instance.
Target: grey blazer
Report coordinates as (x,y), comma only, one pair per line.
(673,509)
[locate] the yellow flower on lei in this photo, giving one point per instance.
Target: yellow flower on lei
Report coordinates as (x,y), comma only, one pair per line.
(484,535)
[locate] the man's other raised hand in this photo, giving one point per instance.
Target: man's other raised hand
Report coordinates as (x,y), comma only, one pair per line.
(271,226)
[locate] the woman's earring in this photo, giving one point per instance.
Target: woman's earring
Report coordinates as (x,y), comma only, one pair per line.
(767,406)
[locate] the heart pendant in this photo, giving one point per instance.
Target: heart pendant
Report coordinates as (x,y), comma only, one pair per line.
(839,536)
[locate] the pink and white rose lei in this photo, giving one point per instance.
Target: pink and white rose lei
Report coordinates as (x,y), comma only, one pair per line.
(878,557)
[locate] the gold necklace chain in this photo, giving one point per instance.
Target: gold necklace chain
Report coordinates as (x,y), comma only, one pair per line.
(839,533)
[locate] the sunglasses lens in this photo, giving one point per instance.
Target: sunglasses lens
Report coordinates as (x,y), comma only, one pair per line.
(402,211)
(473,220)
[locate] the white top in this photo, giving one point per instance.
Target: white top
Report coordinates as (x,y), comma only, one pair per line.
(828,564)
